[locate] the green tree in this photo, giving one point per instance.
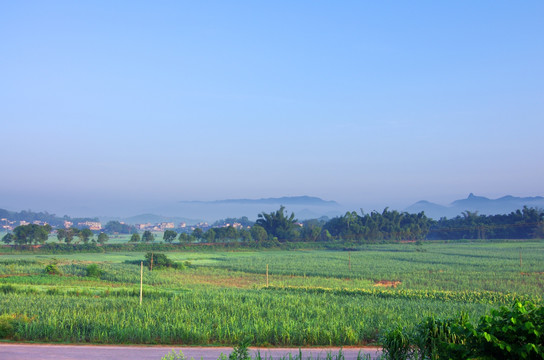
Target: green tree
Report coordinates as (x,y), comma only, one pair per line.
(258,233)
(210,235)
(183,237)
(148,236)
(116,227)
(85,235)
(135,238)
(169,236)
(8,238)
(61,234)
(103,237)
(157,260)
(278,224)
(245,235)
(69,235)
(198,233)
(31,233)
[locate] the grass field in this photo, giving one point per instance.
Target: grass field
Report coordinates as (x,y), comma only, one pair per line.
(315,297)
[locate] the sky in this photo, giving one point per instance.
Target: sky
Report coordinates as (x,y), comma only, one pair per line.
(115,106)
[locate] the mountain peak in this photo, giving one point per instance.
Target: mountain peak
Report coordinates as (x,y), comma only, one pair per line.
(483,205)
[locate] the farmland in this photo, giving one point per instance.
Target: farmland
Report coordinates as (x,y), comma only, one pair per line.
(314,297)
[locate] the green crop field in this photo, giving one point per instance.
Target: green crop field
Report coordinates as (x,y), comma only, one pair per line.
(314,297)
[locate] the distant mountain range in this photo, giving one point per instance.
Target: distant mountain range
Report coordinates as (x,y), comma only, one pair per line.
(285,200)
(483,205)
(304,207)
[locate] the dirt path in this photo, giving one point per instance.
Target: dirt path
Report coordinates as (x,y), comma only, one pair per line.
(106,352)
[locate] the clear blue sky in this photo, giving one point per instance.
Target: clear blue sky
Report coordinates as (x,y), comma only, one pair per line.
(366,103)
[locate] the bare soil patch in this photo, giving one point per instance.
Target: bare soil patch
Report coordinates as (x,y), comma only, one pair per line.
(387,283)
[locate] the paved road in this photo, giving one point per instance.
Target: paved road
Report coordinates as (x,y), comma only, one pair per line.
(100,352)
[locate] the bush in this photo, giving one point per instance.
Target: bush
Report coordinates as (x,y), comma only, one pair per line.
(512,333)
(397,344)
(93,271)
(162,261)
(10,323)
(52,269)
(507,333)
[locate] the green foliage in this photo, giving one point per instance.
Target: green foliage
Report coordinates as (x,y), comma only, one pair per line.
(278,224)
(8,238)
(116,227)
(526,223)
(52,269)
(258,233)
(387,225)
(241,352)
(169,236)
(103,238)
(85,235)
(148,236)
(159,260)
(135,238)
(93,271)
(173,355)
(513,333)
(439,339)
(219,300)
(397,344)
(31,233)
(9,324)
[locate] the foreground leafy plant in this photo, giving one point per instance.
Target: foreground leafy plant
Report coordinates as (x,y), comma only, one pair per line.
(9,324)
(515,332)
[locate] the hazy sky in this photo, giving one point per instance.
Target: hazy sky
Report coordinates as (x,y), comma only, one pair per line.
(366,103)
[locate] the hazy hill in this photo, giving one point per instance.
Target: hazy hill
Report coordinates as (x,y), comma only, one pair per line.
(285,200)
(483,205)
(303,206)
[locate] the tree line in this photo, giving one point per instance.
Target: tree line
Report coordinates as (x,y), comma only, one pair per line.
(38,234)
(279,226)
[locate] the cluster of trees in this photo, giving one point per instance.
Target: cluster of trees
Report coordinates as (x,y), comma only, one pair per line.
(28,234)
(83,235)
(116,227)
(387,225)
(526,223)
(148,236)
(38,234)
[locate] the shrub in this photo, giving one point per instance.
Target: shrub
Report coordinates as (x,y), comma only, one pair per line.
(397,344)
(241,352)
(161,261)
(512,333)
(52,269)
(507,333)
(9,324)
(93,271)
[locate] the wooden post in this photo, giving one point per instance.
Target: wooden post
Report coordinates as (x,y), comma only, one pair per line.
(520,261)
(141,280)
(349,260)
(266,275)
(151,263)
